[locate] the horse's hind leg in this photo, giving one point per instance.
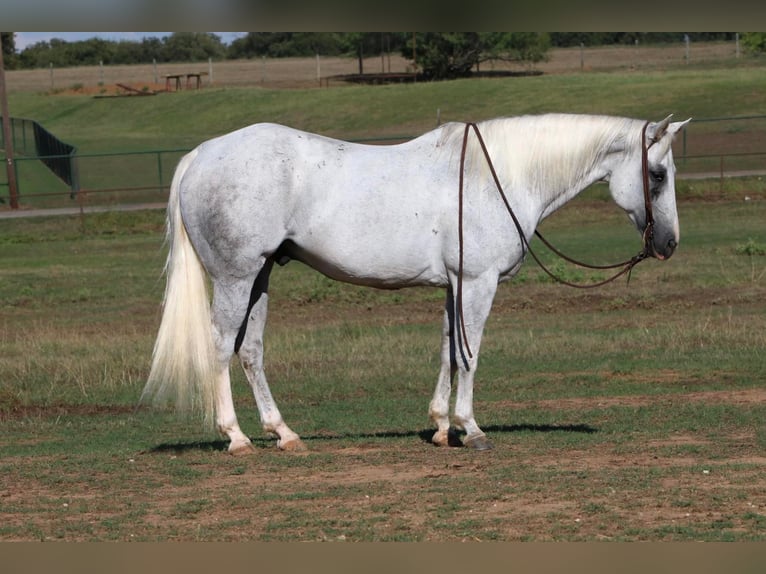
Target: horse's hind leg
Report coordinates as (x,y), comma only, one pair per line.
(227,423)
(239,318)
(229,306)
(250,352)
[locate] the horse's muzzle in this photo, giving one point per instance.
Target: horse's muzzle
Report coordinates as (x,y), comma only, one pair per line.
(664,251)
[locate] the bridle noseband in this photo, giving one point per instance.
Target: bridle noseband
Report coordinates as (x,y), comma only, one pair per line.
(625,267)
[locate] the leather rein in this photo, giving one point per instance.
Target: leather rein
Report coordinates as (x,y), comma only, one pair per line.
(623,266)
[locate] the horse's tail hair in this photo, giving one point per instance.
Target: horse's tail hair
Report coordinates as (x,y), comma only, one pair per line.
(184,362)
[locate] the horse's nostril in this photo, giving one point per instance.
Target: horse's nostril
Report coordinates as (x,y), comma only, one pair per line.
(672,244)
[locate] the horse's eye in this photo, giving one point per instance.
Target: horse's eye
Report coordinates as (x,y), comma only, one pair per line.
(657,175)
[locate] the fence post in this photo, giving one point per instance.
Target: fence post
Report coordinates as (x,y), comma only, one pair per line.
(7,137)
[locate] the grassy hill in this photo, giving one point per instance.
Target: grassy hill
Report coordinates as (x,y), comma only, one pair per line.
(188,117)
(181,120)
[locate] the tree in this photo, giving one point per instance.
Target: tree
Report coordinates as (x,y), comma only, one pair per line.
(10,59)
(285,44)
(270,44)
(290,44)
(89,52)
(523,47)
(192,46)
(130,52)
(369,44)
(754,42)
(454,54)
(443,56)
(41,54)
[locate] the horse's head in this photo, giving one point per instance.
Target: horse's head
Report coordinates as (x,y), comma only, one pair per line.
(631,172)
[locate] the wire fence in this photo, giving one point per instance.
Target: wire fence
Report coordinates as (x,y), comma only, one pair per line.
(712,148)
(30,139)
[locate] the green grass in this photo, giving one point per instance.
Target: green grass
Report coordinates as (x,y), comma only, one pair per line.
(353,370)
(185,119)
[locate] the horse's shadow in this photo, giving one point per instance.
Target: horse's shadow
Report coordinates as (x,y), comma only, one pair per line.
(425,435)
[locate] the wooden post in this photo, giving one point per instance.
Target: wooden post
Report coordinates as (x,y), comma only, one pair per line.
(7,137)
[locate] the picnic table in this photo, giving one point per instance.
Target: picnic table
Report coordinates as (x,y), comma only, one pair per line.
(176,79)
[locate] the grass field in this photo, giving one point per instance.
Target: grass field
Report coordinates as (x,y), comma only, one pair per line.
(631,412)
(634,412)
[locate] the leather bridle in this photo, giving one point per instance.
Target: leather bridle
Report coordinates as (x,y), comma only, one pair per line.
(625,267)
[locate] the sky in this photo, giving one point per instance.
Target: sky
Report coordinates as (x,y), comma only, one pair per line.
(24,39)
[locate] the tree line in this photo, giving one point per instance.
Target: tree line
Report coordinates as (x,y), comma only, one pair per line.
(437,55)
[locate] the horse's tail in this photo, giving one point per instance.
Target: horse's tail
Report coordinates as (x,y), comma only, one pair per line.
(184,363)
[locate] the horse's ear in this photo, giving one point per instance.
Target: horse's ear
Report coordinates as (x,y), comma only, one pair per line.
(659,132)
(676,127)
(655,130)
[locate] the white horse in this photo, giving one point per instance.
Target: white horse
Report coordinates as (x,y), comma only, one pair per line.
(381,216)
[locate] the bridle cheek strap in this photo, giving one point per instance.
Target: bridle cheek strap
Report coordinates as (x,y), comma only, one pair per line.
(648,235)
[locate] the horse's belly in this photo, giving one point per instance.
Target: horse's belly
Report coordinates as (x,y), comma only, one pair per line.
(364,258)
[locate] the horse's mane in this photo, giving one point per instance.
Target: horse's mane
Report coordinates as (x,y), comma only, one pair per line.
(544,154)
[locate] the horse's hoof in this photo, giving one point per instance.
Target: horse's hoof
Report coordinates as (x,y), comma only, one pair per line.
(441,438)
(449,438)
(294,445)
(479,442)
(242,450)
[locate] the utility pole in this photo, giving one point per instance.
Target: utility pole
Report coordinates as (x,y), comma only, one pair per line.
(7,135)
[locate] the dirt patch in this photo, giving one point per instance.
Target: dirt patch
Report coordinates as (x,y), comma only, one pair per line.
(403,491)
(736,397)
(114,90)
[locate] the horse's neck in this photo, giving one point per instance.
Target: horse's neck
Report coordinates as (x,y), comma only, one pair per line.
(552,200)
(560,161)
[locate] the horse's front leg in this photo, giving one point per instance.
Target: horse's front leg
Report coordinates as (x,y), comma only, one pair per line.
(438,409)
(476,304)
